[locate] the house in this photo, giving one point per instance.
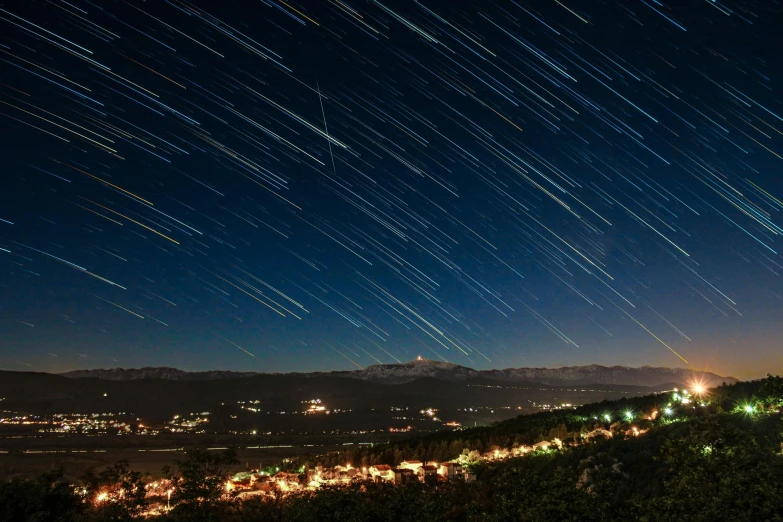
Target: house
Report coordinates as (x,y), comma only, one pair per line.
(286,481)
(243,479)
(403,476)
(521,450)
(382,472)
(450,470)
(326,474)
(262,481)
(313,479)
(598,433)
(428,474)
(342,473)
(412,465)
(498,454)
(635,432)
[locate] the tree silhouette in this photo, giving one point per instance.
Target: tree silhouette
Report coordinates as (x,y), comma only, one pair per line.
(116,493)
(201,482)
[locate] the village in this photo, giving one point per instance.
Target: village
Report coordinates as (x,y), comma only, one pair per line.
(285,479)
(250,483)
(247,484)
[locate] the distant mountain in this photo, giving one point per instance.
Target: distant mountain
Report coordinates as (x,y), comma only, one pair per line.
(597,374)
(425,368)
(571,375)
(149,372)
(368,399)
(416,369)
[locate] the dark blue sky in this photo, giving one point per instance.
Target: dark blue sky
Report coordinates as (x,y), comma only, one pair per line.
(286,186)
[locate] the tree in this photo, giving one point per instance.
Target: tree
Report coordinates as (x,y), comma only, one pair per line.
(202,480)
(116,492)
(721,470)
(771,391)
(47,498)
(558,432)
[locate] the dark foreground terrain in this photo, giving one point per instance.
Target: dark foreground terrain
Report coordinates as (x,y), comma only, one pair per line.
(707,455)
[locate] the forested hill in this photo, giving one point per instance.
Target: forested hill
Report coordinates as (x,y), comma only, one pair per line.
(711,456)
(648,415)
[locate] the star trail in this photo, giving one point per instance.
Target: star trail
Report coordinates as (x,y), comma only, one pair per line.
(282,186)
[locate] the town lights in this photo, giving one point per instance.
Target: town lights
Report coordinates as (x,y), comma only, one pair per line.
(748,408)
(629,415)
(667,411)
(607,417)
(101,497)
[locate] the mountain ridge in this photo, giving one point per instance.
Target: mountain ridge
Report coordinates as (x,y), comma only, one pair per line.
(420,368)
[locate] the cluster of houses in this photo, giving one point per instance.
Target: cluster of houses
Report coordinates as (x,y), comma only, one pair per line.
(257,482)
(250,483)
(544,445)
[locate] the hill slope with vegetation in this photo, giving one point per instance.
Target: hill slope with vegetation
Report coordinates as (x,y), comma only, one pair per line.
(700,456)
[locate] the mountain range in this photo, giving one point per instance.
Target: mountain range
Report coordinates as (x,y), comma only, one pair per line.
(425,368)
(374,398)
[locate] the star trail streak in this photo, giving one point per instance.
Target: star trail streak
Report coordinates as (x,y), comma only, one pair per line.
(339,184)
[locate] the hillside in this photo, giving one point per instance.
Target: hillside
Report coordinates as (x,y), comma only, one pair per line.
(657,410)
(704,455)
(709,455)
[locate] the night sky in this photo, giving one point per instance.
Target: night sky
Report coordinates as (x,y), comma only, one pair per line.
(290,186)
